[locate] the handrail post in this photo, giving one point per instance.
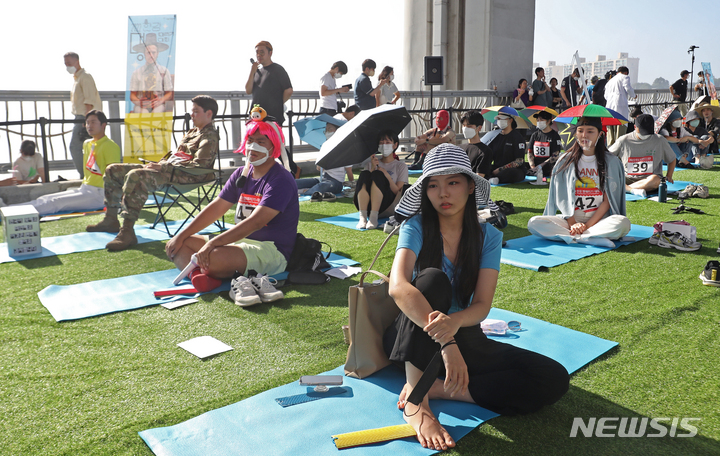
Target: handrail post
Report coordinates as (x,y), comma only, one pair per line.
(43,139)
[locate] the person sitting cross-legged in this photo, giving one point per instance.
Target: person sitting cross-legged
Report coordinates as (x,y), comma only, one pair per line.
(330,181)
(266,220)
(588,189)
(127,185)
(642,153)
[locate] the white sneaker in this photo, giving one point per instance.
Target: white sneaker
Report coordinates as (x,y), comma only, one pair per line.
(639,192)
(264,286)
(494,181)
(243,292)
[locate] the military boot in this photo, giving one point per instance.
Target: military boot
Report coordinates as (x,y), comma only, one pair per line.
(109,224)
(125,238)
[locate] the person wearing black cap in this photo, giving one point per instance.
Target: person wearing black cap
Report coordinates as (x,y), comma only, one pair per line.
(545,145)
(679,91)
(588,189)
(642,153)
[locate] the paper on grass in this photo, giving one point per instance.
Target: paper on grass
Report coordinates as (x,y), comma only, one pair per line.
(204,346)
(179,303)
(343,272)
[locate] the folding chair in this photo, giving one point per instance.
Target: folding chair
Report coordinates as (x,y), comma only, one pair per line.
(177,195)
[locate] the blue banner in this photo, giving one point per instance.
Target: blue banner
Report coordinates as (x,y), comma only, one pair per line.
(710,82)
(150,93)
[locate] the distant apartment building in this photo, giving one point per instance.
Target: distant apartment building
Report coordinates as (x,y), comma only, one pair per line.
(598,67)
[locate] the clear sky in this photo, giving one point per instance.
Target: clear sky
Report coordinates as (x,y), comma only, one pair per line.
(309,35)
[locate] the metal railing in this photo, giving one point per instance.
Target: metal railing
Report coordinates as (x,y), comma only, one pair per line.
(44,116)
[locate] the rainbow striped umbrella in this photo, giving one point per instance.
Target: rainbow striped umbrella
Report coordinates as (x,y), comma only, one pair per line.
(490,113)
(530,111)
(607,116)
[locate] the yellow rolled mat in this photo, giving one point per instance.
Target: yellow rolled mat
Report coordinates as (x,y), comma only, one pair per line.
(352,439)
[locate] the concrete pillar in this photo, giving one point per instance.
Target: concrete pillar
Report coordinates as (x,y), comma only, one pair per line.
(485,42)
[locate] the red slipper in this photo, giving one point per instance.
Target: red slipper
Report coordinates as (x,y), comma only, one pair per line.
(203,282)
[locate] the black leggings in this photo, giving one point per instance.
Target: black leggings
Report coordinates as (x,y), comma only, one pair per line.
(503,378)
(366,180)
(511,175)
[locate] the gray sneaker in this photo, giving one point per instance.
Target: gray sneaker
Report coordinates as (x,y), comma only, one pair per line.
(701,192)
(243,292)
(264,286)
(677,241)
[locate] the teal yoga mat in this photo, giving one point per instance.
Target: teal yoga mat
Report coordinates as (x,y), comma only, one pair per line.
(82,300)
(348,220)
(258,425)
(533,252)
(85,242)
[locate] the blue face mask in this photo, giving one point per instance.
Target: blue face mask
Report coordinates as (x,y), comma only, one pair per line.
(694,123)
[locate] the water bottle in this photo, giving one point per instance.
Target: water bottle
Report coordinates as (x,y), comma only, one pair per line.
(662,191)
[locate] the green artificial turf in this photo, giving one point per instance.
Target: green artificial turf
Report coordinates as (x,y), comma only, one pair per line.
(88,386)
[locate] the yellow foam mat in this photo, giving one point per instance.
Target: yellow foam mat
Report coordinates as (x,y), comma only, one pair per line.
(352,439)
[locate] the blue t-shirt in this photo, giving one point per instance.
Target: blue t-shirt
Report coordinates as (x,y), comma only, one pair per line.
(277,190)
(411,238)
(363,87)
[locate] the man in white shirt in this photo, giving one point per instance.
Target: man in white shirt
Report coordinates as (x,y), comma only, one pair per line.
(617,92)
(328,90)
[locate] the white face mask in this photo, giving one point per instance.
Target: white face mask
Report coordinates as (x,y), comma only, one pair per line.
(27,158)
(677,124)
(541,125)
(257,148)
(385,149)
(71,69)
(338,76)
(576,79)
(586,145)
(503,124)
(468,132)
(328,134)
(391,77)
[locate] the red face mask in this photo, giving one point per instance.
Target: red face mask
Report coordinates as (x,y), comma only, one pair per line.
(442,119)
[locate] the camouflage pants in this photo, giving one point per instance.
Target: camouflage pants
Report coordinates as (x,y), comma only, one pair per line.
(127,186)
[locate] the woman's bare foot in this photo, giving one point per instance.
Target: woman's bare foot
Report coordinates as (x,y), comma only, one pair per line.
(429,432)
(437,391)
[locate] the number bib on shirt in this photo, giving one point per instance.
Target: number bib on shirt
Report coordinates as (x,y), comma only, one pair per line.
(179,156)
(541,149)
(588,199)
(639,166)
(245,206)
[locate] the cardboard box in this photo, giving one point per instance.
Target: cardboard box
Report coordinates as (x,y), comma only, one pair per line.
(21,227)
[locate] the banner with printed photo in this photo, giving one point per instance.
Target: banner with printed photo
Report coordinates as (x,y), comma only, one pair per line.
(150,93)
(710,83)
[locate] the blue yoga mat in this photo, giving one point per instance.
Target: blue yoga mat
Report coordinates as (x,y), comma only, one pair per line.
(258,425)
(533,252)
(151,200)
(675,187)
(85,242)
(348,220)
(82,300)
(527,179)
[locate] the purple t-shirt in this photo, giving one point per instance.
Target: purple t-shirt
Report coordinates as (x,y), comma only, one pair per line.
(276,190)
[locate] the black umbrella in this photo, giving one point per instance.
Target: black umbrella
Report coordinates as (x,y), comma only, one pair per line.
(358,139)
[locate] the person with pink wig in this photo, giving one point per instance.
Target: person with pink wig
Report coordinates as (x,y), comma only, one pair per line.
(266,219)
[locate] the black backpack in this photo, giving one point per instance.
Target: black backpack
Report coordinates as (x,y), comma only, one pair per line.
(307,262)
